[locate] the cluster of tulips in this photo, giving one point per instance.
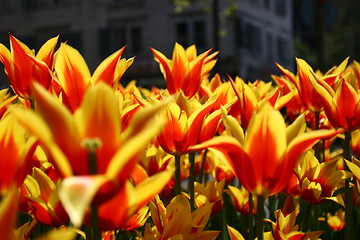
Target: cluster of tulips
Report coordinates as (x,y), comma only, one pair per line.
(84,157)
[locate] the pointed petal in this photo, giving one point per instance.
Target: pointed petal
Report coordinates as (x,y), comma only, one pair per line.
(346,112)
(37,127)
(46,52)
(99,109)
(61,124)
(196,120)
(305,141)
(266,131)
(234,234)
(296,128)
(233,127)
(108,69)
(146,190)
(8,208)
(166,69)
(6,60)
(144,126)
(23,71)
(231,152)
(180,68)
(72,73)
(355,169)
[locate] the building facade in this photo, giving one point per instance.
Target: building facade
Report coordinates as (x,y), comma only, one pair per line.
(252,34)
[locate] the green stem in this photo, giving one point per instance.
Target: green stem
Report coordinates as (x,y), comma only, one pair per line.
(177,175)
(92,145)
(192,180)
(306,217)
(224,231)
(348,192)
(250,218)
(202,170)
(96,233)
(260,218)
(318,144)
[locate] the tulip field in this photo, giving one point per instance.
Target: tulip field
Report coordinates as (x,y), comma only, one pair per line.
(84,156)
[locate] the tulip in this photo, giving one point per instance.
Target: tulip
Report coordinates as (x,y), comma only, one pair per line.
(177,220)
(265,172)
(185,71)
(17,150)
(240,199)
(73,75)
(250,96)
(319,181)
(337,221)
(44,200)
(24,67)
(340,115)
(284,228)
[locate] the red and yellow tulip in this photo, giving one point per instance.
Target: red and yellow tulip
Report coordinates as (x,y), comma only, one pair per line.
(319,181)
(24,67)
(333,99)
(264,172)
(73,75)
(186,70)
(16,153)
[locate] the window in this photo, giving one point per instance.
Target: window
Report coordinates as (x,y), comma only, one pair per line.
(269,47)
(182,35)
(280,7)
(240,33)
(200,34)
(254,38)
(119,37)
(110,40)
(283,49)
(115,37)
(248,36)
(136,40)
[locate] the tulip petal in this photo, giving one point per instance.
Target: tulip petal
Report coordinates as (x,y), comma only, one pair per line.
(166,66)
(234,234)
(146,190)
(125,158)
(99,109)
(46,52)
(265,142)
(73,75)
(303,142)
(77,193)
(62,234)
(111,69)
(8,208)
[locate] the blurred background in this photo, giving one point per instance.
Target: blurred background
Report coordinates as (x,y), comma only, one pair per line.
(250,34)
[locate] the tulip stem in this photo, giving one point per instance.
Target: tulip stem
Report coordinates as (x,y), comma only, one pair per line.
(306,216)
(250,217)
(96,233)
(260,217)
(192,180)
(92,145)
(348,192)
(202,170)
(177,175)
(318,144)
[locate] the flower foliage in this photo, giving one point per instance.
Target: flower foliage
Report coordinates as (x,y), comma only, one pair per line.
(82,154)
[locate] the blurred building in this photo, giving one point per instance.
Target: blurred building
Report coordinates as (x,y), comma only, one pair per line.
(253,34)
